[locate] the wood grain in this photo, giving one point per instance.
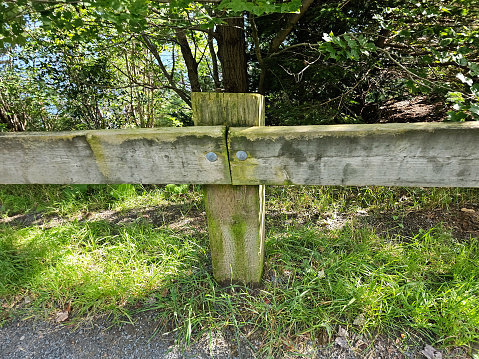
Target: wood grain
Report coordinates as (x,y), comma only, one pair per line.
(235,214)
(165,155)
(420,154)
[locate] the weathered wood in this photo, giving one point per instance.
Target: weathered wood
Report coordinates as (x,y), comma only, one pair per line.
(424,154)
(421,154)
(235,213)
(166,155)
(230,109)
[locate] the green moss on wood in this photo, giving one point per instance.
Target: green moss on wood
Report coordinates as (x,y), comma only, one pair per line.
(238,231)
(238,136)
(232,220)
(98,154)
(216,240)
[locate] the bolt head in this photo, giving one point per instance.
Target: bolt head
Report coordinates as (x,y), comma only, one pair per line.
(241,155)
(211,156)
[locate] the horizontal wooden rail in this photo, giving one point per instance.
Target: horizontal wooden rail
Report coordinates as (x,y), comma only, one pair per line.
(422,154)
(162,155)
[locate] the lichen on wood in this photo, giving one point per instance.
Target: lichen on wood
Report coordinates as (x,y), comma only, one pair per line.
(160,155)
(235,214)
(420,154)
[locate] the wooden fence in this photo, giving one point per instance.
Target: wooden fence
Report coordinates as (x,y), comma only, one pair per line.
(234,155)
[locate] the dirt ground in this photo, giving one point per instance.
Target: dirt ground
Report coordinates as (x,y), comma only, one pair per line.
(137,338)
(98,339)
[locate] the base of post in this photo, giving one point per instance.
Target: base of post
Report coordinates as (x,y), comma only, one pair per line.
(236,229)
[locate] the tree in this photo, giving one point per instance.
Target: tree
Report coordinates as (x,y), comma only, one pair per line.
(22,99)
(344,59)
(318,62)
(107,81)
(155,24)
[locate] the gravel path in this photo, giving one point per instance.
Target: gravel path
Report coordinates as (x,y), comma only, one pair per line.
(41,339)
(47,340)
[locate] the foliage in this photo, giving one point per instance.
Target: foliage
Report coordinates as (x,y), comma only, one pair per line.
(370,53)
(88,86)
(261,7)
(445,44)
(23,101)
(329,62)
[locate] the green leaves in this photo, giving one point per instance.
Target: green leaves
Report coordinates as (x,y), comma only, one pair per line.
(346,47)
(475,90)
(474,109)
(456,116)
(17,17)
(463,109)
(12,23)
(473,69)
(465,105)
(261,7)
(464,79)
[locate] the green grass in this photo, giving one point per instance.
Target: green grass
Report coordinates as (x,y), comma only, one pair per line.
(95,265)
(392,285)
(314,279)
(348,199)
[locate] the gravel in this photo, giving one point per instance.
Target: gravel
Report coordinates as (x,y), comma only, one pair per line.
(43,339)
(138,339)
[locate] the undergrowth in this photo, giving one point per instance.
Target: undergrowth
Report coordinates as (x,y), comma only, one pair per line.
(315,279)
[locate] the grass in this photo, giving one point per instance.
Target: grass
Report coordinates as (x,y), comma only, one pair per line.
(315,279)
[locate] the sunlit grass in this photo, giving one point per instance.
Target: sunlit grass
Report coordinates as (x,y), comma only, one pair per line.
(315,279)
(348,199)
(95,266)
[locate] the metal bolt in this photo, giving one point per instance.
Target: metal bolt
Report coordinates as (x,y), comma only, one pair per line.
(211,156)
(241,155)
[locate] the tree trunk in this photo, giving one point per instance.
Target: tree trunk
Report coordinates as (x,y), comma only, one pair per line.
(10,119)
(232,55)
(191,64)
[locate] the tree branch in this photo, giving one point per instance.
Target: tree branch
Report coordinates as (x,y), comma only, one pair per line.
(292,21)
(340,97)
(303,44)
(257,50)
(191,64)
(163,69)
(214,61)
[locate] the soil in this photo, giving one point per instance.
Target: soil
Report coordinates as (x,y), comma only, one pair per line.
(138,339)
(416,109)
(138,336)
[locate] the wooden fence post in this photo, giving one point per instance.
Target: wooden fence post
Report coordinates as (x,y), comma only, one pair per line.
(235,214)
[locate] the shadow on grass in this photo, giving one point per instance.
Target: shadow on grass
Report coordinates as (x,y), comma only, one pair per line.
(315,280)
(175,216)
